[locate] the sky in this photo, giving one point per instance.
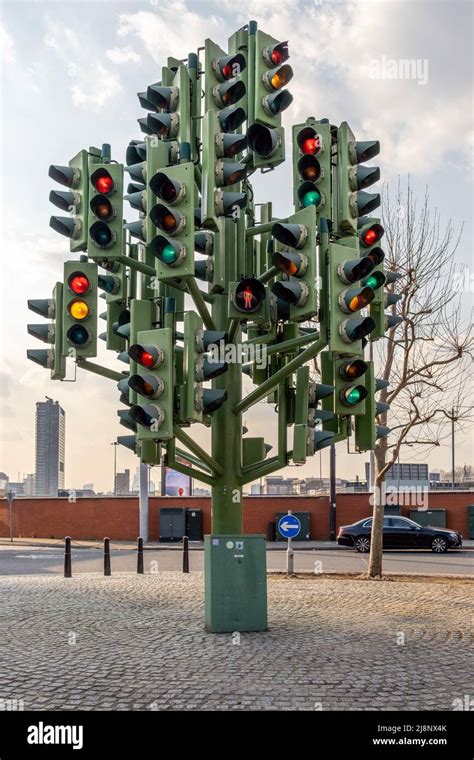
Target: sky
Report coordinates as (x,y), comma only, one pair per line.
(70,72)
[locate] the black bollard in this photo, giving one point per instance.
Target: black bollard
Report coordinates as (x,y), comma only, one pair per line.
(185,554)
(140,557)
(67,557)
(107,557)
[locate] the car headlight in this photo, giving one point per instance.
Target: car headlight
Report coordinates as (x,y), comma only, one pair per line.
(454,535)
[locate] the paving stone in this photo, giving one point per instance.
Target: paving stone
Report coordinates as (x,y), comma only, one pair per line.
(140,645)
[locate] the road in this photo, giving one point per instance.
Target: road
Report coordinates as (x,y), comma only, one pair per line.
(27,560)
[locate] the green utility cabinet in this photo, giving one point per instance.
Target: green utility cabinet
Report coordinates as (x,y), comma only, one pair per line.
(470,521)
(435,518)
(235,583)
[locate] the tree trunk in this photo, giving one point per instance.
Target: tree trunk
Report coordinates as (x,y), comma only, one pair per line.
(376,541)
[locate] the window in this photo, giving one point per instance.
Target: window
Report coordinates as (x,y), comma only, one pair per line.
(368,523)
(400,523)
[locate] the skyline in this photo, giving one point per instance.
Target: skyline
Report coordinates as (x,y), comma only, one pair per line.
(71,81)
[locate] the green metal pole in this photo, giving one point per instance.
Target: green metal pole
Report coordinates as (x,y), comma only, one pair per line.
(98,370)
(281,374)
(227,509)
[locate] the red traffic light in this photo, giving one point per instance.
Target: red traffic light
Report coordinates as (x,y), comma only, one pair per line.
(372,235)
(102,181)
(147,356)
(146,359)
(309,141)
(78,283)
(249,295)
(276,54)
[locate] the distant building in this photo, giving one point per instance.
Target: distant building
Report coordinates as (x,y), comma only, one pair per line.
(122,483)
(50,445)
(405,475)
(29,484)
(277,484)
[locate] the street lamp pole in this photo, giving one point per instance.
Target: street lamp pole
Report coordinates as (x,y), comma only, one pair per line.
(115,444)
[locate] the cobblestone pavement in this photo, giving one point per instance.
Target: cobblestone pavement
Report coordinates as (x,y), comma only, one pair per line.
(129,642)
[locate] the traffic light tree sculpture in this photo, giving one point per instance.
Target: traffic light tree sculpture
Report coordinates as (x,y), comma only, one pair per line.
(290,287)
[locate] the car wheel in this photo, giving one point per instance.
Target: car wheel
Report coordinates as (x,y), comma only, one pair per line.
(439,545)
(362,544)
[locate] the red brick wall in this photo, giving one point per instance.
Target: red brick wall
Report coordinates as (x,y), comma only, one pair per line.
(96,517)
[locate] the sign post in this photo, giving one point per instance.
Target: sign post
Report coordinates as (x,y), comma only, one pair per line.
(289,527)
(10,496)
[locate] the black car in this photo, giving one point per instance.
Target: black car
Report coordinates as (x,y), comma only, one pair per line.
(399,533)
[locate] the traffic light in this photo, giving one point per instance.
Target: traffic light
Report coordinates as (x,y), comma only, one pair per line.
(370,233)
(349,394)
(249,300)
(347,327)
(367,430)
(114,285)
(173,218)
(51,333)
(198,368)
(79,315)
(223,83)
(209,269)
(306,439)
(105,211)
(153,384)
(144,160)
(295,256)
(74,200)
(272,74)
(352,179)
(170,101)
(220,171)
(312,147)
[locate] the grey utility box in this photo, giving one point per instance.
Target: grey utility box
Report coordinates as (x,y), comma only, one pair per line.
(172,524)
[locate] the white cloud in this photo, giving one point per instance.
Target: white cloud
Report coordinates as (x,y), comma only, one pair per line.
(106,85)
(122,55)
(93,85)
(7,47)
(175,30)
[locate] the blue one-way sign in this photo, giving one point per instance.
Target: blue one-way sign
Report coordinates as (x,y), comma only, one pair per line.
(289,526)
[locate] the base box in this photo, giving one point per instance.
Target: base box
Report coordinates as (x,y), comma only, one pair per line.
(235,583)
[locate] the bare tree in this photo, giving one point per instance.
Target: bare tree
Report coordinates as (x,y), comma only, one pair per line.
(425,358)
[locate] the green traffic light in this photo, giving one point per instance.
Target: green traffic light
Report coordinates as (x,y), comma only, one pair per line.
(354,396)
(312,198)
(168,254)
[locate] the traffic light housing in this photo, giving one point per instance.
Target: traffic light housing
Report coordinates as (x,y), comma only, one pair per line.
(224,85)
(105,239)
(272,74)
(74,200)
(153,383)
(349,386)
(347,327)
(367,430)
(295,256)
(79,315)
(306,438)
(198,368)
(352,179)
(51,333)
(249,300)
(312,149)
(222,173)
(370,234)
(170,103)
(172,217)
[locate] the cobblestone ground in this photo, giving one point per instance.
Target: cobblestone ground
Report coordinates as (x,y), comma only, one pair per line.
(129,642)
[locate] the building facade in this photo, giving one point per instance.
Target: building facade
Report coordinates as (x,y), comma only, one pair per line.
(50,447)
